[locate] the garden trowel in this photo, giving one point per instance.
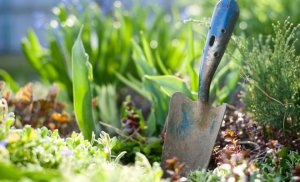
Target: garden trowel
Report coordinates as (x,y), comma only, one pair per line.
(192,126)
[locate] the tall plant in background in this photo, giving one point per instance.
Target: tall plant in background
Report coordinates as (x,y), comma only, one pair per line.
(158,50)
(159,87)
(272,71)
(106,38)
(107,41)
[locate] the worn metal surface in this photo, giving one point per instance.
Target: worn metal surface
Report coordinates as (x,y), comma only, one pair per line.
(192,126)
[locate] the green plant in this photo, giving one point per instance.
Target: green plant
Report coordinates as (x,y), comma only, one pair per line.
(106,102)
(82,76)
(133,136)
(106,38)
(108,41)
(158,87)
(203,175)
(41,155)
(82,82)
(9,80)
(272,89)
(280,169)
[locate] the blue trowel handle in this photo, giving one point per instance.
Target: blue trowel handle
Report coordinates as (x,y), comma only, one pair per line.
(224,17)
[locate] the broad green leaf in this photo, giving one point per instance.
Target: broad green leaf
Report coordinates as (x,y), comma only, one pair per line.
(171,84)
(160,102)
(82,89)
(136,86)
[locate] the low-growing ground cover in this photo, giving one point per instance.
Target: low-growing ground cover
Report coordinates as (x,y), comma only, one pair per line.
(243,151)
(29,154)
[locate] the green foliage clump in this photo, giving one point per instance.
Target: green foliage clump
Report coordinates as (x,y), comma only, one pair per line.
(272,91)
(203,175)
(107,39)
(131,47)
(40,155)
(226,172)
(280,169)
(158,87)
(134,135)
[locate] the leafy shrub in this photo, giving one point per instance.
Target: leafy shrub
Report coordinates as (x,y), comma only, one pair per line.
(272,72)
(279,167)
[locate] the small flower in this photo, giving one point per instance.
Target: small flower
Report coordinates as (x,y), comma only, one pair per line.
(66,152)
(3,143)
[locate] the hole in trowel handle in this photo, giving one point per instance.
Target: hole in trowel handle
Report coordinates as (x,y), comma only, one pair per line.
(216,54)
(212,40)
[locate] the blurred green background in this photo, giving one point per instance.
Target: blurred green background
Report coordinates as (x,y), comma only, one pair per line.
(17,16)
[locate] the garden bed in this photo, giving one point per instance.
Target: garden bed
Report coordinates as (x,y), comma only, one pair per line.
(99,108)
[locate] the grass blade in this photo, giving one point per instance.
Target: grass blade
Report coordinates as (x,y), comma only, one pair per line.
(143,66)
(9,80)
(107,101)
